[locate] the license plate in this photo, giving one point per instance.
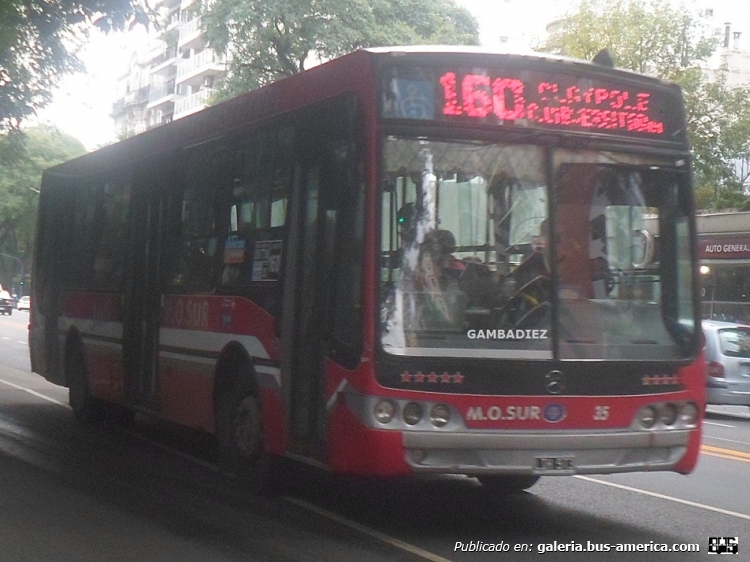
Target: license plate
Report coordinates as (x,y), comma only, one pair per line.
(554,464)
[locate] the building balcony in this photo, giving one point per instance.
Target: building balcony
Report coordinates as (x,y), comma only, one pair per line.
(160,117)
(192,103)
(159,91)
(191,33)
(135,97)
(164,59)
(170,32)
(205,62)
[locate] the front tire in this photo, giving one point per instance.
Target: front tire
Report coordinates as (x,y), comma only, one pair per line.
(240,435)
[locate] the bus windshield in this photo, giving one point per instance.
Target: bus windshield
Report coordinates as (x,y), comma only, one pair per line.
(471,258)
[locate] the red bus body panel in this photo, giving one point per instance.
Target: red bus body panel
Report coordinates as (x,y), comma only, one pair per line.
(196,329)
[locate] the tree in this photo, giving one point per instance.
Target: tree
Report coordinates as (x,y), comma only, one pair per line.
(657,38)
(38,44)
(20,178)
(270,39)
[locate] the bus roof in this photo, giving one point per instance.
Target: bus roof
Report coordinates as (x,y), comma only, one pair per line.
(351,72)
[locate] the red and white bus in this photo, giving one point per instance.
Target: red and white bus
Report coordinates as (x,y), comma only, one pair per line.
(403,261)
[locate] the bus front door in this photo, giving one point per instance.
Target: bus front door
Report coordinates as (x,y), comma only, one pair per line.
(322,314)
(304,334)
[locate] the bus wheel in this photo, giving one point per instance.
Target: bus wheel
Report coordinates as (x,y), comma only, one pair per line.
(245,450)
(85,407)
(507,484)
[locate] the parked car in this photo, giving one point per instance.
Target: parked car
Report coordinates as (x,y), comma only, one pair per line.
(6,303)
(727,363)
(24,303)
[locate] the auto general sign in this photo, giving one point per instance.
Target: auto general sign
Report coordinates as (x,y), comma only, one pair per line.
(724,248)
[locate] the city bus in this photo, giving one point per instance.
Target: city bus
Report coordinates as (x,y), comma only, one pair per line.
(405,261)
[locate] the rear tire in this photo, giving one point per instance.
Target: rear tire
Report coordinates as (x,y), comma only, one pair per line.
(508,484)
(86,408)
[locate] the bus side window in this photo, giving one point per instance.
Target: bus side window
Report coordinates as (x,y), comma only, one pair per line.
(111,235)
(261,191)
(200,220)
(258,198)
(79,249)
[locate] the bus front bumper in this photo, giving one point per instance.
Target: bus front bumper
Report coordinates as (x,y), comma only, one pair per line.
(544,453)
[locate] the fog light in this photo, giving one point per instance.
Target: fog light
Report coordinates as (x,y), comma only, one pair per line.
(689,413)
(647,416)
(412,413)
(384,411)
(668,414)
(440,415)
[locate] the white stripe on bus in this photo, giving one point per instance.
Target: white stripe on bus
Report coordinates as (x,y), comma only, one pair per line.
(100,328)
(210,341)
(171,337)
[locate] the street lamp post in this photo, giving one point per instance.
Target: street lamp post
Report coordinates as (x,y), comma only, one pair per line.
(20,263)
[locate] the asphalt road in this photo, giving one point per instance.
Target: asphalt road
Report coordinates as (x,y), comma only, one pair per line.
(153,492)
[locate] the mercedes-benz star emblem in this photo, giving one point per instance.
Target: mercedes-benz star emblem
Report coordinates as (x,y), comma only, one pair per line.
(554,382)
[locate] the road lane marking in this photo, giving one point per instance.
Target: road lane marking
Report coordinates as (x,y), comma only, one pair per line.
(34,393)
(664,497)
(720,456)
(728,440)
(739,415)
(301,503)
(707,449)
(718,424)
(367,531)
(725,453)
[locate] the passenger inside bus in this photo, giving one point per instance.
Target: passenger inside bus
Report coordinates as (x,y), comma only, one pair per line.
(438,245)
(468,282)
(441,244)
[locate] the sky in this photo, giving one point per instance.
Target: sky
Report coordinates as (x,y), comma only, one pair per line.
(83,102)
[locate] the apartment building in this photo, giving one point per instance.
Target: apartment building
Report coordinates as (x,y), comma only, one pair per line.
(172,76)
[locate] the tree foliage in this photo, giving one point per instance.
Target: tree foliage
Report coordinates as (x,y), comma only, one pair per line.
(671,42)
(270,39)
(20,178)
(38,44)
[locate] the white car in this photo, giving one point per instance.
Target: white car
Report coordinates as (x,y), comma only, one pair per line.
(727,363)
(24,303)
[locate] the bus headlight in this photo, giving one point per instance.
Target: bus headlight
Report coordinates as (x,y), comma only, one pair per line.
(384,411)
(412,413)
(440,415)
(668,414)
(647,417)
(689,413)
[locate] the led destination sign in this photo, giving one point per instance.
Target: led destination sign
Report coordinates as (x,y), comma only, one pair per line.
(531,98)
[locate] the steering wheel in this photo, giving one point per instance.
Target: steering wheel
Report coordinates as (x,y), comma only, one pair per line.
(528,304)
